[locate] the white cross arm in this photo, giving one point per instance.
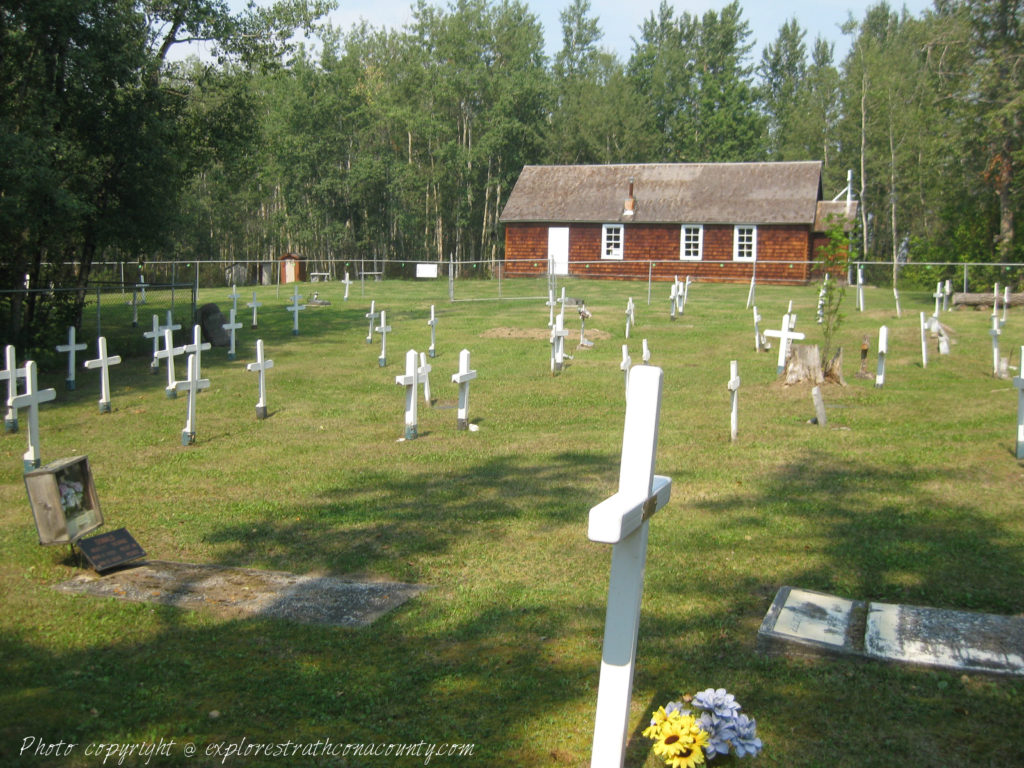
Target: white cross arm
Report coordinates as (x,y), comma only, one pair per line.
(616,517)
(462,376)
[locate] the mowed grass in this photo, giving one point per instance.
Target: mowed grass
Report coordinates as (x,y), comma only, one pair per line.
(912,494)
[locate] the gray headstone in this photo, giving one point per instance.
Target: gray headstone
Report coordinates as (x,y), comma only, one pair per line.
(212,321)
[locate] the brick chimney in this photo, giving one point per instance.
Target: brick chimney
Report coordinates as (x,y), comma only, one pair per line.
(630,206)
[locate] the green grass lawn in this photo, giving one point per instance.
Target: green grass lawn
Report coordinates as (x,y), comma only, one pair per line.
(912,494)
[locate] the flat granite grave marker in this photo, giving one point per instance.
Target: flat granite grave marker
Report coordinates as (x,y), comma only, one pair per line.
(103,362)
(71,348)
(169,352)
(383,329)
(11,373)
(411,383)
(211,321)
(192,385)
(462,378)
(623,521)
(812,622)
(110,550)
(31,398)
(261,366)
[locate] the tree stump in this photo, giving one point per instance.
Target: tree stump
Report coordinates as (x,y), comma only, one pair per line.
(980,300)
(804,364)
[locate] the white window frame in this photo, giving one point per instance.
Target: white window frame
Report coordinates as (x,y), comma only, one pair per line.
(683,255)
(608,234)
(737,254)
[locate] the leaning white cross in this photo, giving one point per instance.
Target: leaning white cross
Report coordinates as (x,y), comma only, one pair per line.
(630,315)
(156,334)
(372,315)
(673,293)
(686,294)
(231,326)
(424,374)
(192,385)
(411,383)
(558,334)
(759,340)
(168,353)
(938,298)
(752,293)
(31,399)
(785,336)
(261,366)
(294,307)
(347,283)
(11,374)
(103,362)
(432,322)
(383,329)
(734,387)
(71,348)
(255,305)
(462,378)
(197,347)
(1018,382)
(883,350)
(622,520)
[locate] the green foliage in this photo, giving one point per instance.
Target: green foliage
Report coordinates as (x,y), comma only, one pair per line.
(834,257)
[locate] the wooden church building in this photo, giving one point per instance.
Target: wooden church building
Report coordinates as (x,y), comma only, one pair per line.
(723,222)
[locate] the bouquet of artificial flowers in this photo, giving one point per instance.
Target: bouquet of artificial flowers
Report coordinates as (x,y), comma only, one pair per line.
(685,738)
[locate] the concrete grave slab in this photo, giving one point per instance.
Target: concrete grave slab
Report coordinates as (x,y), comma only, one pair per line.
(811,623)
(250,593)
(936,637)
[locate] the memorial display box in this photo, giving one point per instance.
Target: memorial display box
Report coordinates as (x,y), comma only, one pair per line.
(64,501)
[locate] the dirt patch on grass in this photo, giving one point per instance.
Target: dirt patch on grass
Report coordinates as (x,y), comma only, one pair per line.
(538,334)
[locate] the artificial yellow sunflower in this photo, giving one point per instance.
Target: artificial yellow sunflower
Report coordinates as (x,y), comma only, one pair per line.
(675,736)
(691,757)
(658,719)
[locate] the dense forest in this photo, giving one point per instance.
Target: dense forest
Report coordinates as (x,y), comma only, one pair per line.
(405,143)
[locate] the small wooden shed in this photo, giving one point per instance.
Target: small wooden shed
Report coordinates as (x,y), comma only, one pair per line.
(293,268)
(720,222)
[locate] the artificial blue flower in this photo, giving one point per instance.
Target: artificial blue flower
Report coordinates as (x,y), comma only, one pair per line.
(745,740)
(719,701)
(675,706)
(721,732)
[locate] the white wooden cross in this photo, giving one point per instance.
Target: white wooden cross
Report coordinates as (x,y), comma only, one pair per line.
(294,307)
(623,521)
(681,297)
(156,334)
(734,387)
(462,378)
(785,336)
(71,348)
(924,341)
(103,362)
(883,350)
(432,322)
(630,315)
(558,334)
(231,326)
(751,294)
(261,366)
(646,354)
(995,333)
(896,295)
(168,353)
(234,297)
(1018,382)
(995,300)
(550,304)
(383,329)
(938,297)
(347,283)
(255,305)
(625,365)
(11,374)
(31,399)
(197,347)
(411,383)
(672,296)
(1006,304)
(192,385)
(372,316)
(584,313)
(947,292)
(760,342)
(170,324)
(424,373)
(860,288)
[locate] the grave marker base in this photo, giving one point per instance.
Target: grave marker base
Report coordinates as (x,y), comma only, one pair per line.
(30,464)
(188,438)
(10,426)
(104,407)
(261,412)
(69,384)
